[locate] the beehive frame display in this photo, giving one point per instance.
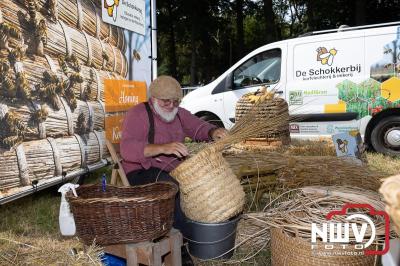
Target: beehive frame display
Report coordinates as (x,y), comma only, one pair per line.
(55,57)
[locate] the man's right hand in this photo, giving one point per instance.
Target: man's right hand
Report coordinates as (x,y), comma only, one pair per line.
(174,148)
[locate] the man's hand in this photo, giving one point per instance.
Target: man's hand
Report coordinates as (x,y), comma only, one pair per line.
(174,148)
(219,133)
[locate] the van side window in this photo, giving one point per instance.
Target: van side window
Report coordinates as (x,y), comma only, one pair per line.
(264,68)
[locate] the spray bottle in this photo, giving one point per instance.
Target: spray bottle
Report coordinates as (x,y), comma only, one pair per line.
(66,219)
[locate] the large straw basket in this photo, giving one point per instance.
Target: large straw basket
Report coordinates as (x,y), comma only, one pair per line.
(123,214)
(210,191)
(266,110)
(291,250)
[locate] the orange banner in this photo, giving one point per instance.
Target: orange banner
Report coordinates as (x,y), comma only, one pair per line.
(113,125)
(120,95)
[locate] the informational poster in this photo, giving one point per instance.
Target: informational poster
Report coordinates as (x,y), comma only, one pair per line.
(113,125)
(120,95)
(127,14)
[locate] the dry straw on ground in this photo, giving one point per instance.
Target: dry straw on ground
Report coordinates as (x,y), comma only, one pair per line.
(19,250)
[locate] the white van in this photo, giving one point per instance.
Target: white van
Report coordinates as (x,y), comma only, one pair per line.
(334,81)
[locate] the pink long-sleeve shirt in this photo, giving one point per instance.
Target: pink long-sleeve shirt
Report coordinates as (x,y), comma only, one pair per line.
(135,137)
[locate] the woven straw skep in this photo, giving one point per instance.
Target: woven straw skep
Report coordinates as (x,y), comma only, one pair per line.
(266,110)
(292,251)
(210,192)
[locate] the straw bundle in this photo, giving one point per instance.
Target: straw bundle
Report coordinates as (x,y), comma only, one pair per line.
(297,171)
(314,170)
(70,153)
(93,117)
(35,69)
(60,39)
(44,250)
(43,159)
(294,211)
(82,15)
(9,170)
(390,189)
(44,121)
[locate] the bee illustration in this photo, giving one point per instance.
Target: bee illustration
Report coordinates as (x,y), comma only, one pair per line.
(342,145)
(136,55)
(387,50)
(325,56)
(111,6)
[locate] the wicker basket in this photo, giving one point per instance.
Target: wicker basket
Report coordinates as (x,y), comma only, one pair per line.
(210,191)
(123,214)
(291,250)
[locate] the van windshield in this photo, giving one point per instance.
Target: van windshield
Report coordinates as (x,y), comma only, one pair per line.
(262,68)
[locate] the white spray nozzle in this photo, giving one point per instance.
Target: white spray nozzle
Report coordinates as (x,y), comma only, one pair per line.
(67,187)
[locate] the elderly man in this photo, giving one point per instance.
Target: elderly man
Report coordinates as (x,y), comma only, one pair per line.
(153,135)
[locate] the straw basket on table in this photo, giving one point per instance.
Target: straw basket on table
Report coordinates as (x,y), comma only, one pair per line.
(210,191)
(266,110)
(291,250)
(123,214)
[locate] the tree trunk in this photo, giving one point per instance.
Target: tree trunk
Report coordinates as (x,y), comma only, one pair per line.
(360,13)
(239,28)
(171,43)
(270,28)
(193,65)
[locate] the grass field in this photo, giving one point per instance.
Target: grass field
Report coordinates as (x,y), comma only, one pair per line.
(37,215)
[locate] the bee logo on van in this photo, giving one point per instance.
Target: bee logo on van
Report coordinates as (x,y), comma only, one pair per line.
(325,56)
(111,6)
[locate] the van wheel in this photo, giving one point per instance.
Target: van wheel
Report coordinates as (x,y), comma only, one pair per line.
(385,137)
(212,119)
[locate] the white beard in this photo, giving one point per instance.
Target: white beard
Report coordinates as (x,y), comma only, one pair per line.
(167,116)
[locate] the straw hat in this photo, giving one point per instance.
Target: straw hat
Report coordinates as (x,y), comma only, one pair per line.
(165,87)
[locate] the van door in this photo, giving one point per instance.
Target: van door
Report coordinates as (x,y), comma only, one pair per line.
(262,69)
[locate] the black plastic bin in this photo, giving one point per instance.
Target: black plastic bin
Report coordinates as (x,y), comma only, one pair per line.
(211,240)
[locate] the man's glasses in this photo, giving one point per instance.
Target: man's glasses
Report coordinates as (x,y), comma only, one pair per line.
(168,102)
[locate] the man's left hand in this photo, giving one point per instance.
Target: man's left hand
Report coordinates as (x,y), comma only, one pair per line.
(219,133)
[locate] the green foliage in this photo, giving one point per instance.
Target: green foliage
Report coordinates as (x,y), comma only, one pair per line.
(199,40)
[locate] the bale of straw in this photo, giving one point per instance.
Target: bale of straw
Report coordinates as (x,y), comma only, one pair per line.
(390,189)
(210,192)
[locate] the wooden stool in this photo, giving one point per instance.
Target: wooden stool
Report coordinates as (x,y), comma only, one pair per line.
(150,253)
